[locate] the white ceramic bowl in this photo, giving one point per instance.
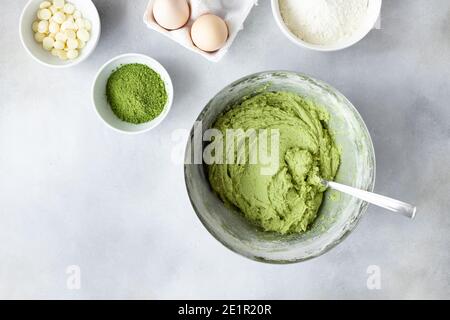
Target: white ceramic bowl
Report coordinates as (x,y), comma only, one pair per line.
(102,106)
(374,10)
(87,9)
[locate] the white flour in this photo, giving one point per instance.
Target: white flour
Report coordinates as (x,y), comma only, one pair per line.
(323,22)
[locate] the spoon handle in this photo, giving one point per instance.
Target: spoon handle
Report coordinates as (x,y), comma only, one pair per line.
(400,207)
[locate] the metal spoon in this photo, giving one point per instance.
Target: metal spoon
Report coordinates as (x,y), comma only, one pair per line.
(400,207)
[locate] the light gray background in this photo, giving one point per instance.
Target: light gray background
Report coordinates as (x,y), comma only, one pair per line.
(74,192)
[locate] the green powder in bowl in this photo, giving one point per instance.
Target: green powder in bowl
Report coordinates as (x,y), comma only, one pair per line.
(136,93)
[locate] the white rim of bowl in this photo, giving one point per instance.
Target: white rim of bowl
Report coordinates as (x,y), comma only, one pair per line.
(158,120)
(301,43)
(62,66)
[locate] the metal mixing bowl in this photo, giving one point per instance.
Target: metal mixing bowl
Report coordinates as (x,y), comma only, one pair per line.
(338,214)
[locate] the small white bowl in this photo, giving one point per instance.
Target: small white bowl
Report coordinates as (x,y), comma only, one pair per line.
(374,10)
(35,50)
(102,107)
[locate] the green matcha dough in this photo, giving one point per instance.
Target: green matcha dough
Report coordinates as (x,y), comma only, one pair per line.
(287,201)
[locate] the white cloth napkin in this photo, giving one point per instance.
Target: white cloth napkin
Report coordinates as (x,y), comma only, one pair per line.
(234,12)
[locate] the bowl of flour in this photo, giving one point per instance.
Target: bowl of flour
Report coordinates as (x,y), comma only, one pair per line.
(326,25)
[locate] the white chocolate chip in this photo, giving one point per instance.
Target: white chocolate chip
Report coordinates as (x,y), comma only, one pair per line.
(43,26)
(34,27)
(55,52)
(72,44)
(53,27)
(83,34)
(59,17)
(59,3)
(72,54)
(48,43)
(45,5)
(59,45)
(69,8)
(62,55)
(44,14)
(77,14)
(87,25)
(68,25)
(60,36)
(70,34)
(81,44)
(39,37)
(53,9)
(80,23)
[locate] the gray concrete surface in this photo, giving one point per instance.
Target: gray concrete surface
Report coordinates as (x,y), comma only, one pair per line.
(73,192)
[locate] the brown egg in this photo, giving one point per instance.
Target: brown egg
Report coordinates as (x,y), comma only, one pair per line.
(171,14)
(209,33)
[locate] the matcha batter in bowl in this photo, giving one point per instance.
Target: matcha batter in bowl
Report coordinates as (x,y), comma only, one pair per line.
(284,216)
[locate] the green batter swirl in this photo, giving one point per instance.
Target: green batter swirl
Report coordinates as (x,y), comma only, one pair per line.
(287,201)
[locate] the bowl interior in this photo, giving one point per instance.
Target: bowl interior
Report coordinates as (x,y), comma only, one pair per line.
(88,10)
(101,103)
(374,8)
(338,214)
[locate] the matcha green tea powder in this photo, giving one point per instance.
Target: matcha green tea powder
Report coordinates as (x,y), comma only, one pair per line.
(136,93)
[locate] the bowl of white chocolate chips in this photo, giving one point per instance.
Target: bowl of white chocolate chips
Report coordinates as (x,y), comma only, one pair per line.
(60,33)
